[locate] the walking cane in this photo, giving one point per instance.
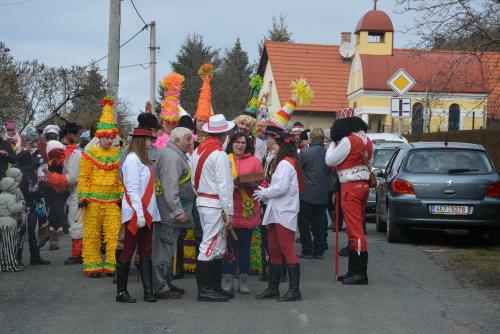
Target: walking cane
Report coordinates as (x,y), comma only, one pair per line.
(337,217)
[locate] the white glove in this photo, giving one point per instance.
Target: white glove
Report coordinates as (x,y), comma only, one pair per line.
(259,194)
(141,222)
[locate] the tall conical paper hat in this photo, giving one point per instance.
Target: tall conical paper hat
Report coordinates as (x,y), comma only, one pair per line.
(252,108)
(170,106)
(301,95)
(204,110)
(107,124)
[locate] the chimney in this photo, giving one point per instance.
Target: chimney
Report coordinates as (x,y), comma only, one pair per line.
(345,37)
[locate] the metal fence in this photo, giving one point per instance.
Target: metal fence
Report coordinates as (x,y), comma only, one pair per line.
(489,138)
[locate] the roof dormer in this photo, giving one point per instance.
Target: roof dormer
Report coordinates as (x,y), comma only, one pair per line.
(375,33)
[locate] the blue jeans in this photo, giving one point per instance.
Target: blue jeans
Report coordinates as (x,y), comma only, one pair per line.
(241,249)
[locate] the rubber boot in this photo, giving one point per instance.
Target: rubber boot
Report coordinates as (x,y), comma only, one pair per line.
(122,295)
(359,276)
(205,282)
(243,287)
(227,282)
(293,293)
(146,269)
(118,253)
(217,279)
(54,240)
(274,277)
(350,270)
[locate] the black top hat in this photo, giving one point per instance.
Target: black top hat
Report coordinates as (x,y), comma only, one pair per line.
(25,160)
(186,122)
(71,127)
(148,120)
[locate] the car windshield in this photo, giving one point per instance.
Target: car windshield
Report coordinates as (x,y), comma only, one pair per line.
(448,161)
(381,157)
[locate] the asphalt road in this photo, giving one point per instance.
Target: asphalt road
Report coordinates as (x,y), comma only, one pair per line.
(408,293)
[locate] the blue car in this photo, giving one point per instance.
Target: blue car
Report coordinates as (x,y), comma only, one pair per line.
(438,185)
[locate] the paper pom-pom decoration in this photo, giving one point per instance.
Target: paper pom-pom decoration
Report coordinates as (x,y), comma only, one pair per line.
(172,84)
(107,124)
(204,110)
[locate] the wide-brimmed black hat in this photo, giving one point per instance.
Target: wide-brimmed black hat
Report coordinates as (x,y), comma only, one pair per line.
(71,127)
(285,137)
(148,120)
(25,160)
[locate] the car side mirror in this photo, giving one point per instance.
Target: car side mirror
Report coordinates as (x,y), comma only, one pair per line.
(378,172)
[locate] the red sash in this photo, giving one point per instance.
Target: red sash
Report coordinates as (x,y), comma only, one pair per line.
(203,157)
(146,199)
(297,170)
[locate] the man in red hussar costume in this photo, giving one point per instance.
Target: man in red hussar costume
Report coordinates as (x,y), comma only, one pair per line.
(351,152)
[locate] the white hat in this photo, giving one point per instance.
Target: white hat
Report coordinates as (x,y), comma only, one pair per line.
(54,144)
(218,124)
(51,129)
(8,184)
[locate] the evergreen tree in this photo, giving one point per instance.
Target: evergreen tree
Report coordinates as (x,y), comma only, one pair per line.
(86,108)
(192,54)
(10,93)
(278,32)
(230,87)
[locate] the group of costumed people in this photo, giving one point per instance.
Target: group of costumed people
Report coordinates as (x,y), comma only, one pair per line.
(216,197)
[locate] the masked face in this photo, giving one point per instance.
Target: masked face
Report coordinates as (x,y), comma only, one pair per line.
(244,127)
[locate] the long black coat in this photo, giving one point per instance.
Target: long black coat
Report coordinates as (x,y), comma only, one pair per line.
(316,175)
(5,160)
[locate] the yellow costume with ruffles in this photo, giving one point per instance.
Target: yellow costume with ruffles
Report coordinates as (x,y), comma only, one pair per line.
(100,191)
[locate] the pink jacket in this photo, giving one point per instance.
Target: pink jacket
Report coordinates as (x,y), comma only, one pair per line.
(246,164)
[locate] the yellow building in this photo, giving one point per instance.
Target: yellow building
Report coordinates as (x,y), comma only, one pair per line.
(452,90)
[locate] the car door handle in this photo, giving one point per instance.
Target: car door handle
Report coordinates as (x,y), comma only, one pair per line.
(450,192)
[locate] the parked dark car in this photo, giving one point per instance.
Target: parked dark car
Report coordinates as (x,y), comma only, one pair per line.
(382,153)
(438,185)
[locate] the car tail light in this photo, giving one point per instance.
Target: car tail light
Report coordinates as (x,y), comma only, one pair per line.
(493,190)
(400,186)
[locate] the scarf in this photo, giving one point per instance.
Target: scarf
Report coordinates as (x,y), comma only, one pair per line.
(207,142)
(247,201)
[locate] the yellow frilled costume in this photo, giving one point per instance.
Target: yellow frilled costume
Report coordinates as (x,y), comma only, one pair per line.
(99,191)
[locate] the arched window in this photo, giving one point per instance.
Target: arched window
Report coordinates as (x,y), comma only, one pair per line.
(417,118)
(454,117)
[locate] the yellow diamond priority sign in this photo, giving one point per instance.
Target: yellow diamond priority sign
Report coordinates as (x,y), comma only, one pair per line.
(401,82)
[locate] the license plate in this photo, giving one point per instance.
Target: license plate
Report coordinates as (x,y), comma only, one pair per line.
(454,210)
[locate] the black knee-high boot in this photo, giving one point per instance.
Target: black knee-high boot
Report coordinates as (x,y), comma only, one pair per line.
(146,269)
(122,295)
(274,277)
(359,270)
(293,293)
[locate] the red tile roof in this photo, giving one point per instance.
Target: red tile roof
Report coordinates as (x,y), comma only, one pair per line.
(320,65)
(494,84)
(438,71)
(376,21)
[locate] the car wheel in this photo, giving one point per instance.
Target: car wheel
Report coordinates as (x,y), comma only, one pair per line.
(394,232)
(379,225)
(495,236)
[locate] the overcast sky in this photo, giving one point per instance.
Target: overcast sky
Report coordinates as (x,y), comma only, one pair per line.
(74,32)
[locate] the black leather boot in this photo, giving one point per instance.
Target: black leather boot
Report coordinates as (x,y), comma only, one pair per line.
(146,269)
(122,295)
(274,278)
(359,276)
(350,264)
(344,251)
(205,281)
(118,253)
(35,258)
(217,276)
(293,293)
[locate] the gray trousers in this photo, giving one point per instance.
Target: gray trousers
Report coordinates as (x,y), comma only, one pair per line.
(164,245)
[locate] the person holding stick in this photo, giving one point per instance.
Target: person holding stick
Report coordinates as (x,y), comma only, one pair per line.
(214,186)
(351,152)
(283,203)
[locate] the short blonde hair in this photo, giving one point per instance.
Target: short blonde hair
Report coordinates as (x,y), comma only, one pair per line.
(247,119)
(317,134)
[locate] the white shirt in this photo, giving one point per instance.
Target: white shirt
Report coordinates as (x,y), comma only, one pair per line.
(260,148)
(336,154)
(282,195)
(215,179)
(135,180)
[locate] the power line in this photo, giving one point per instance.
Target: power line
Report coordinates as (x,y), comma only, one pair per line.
(139,14)
(143,65)
(15,3)
(122,45)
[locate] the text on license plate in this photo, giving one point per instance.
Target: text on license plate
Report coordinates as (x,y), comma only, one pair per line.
(457,210)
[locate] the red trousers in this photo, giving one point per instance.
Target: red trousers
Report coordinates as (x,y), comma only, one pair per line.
(143,240)
(354,196)
(281,242)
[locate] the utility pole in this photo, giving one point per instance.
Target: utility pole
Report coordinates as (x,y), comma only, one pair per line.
(114,48)
(152,65)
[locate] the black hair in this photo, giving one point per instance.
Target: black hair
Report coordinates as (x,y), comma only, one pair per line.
(287,149)
(234,137)
(345,126)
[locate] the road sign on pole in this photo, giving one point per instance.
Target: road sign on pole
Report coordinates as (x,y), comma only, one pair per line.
(401,82)
(401,107)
